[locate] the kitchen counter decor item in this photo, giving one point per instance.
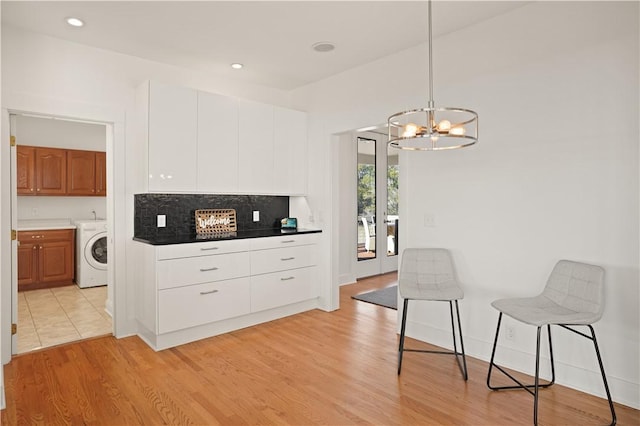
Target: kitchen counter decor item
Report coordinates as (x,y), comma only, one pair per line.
(215,221)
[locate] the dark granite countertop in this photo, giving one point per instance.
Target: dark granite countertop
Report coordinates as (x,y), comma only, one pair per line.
(257,233)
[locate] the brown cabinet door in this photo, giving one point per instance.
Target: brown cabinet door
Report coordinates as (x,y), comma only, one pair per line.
(27,263)
(56,261)
(46,258)
(51,171)
(101,174)
(81,172)
(26,170)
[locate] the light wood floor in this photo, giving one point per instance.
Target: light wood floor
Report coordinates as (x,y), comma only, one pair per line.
(334,368)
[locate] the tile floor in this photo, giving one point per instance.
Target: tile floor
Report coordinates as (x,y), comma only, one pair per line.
(58,315)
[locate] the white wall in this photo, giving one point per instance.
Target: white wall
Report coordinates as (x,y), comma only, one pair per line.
(347,209)
(37,131)
(555,174)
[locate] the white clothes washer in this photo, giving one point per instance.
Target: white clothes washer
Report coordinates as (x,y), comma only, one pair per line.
(91,253)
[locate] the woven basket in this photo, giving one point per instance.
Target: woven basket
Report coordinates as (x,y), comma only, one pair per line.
(215,221)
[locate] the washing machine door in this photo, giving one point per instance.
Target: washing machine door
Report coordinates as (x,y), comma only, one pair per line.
(95,251)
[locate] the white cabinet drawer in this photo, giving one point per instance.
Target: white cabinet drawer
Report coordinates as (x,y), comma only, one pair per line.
(265,261)
(283,288)
(175,251)
(283,241)
(202,269)
(194,305)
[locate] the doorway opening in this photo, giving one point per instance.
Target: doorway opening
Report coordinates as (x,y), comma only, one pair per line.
(60,289)
(377,221)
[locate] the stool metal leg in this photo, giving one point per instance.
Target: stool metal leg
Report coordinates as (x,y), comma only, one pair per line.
(402,349)
(463,365)
(604,377)
(537,380)
(536,385)
(520,385)
(402,330)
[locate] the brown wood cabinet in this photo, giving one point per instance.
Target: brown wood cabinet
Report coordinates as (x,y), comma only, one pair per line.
(81,169)
(26,173)
(101,173)
(41,171)
(55,171)
(45,258)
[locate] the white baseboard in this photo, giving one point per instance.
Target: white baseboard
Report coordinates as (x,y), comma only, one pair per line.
(345,279)
(3,402)
(589,381)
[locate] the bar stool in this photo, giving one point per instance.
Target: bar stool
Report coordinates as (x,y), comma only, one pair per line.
(428,274)
(573,296)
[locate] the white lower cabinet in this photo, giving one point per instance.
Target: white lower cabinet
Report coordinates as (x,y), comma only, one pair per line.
(282,288)
(282,259)
(188,292)
(202,269)
(194,305)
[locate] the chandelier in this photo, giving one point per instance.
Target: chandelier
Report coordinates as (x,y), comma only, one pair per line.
(431,128)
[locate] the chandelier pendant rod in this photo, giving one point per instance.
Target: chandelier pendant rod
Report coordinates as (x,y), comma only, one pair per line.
(431,104)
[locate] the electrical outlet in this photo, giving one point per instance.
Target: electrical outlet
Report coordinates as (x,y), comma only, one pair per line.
(510,332)
(162,221)
(429,220)
(256,216)
(34,212)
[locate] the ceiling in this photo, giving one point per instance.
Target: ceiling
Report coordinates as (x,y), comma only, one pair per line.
(272,39)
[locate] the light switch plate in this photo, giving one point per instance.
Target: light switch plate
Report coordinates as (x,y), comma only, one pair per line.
(162,221)
(256,215)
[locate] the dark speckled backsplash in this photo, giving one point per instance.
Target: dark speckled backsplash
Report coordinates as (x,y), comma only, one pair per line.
(180,211)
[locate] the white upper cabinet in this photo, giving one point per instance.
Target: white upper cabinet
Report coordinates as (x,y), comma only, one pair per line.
(256,173)
(172,138)
(217,162)
(290,146)
(209,143)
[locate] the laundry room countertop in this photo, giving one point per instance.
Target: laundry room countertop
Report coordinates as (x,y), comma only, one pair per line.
(37,224)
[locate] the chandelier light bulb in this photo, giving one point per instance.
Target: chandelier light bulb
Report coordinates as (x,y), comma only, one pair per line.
(444,126)
(410,130)
(457,131)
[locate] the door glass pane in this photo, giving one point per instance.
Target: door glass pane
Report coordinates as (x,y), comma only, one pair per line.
(366,199)
(392,201)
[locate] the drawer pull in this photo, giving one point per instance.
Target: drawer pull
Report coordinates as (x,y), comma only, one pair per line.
(208,248)
(288,241)
(287,278)
(287,258)
(214,268)
(208,292)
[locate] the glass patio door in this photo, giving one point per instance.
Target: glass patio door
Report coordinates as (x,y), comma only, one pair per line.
(377,200)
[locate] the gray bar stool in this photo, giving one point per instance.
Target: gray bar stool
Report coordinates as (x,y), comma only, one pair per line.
(573,296)
(428,274)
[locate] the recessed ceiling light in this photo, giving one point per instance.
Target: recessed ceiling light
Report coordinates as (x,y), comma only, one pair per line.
(75,22)
(236,66)
(323,46)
